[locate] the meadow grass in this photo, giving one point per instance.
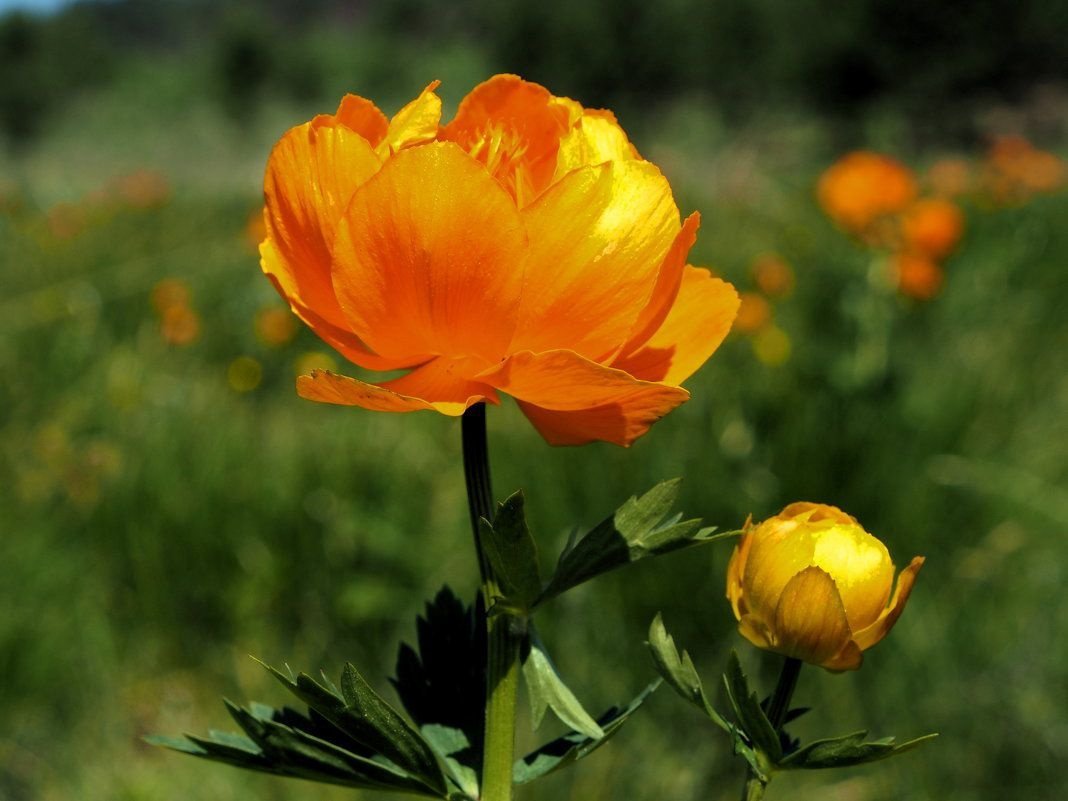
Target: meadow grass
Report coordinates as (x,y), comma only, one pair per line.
(159,525)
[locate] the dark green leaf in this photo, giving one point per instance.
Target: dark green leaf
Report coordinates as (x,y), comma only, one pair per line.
(574,746)
(635,531)
(512,553)
(442,681)
(850,749)
(546,689)
(679,671)
(750,714)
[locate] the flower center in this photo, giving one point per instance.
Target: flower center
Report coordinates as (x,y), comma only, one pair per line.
(501,150)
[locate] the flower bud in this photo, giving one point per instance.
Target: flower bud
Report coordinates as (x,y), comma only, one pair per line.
(812,584)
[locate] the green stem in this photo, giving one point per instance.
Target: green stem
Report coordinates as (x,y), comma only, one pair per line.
(780,704)
(503,638)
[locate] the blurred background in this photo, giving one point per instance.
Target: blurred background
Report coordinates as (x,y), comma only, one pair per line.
(168,506)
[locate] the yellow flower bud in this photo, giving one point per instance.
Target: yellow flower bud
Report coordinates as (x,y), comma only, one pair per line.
(812,584)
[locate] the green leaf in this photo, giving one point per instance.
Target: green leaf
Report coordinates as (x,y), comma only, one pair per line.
(574,746)
(512,553)
(637,530)
(679,671)
(441,681)
(451,743)
(547,689)
(849,749)
(371,722)
(749,712)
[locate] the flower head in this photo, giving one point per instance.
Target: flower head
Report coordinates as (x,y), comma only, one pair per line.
(812,584)
(932,227)
(523,248)
(861,188)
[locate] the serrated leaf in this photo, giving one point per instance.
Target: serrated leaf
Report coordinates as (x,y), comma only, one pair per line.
(679,671)
(546,689)
(849,749)
(636,530)
(574,746)
(749,712)
(512,553)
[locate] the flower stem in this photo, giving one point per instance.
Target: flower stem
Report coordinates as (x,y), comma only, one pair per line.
(780,704)
(503,637)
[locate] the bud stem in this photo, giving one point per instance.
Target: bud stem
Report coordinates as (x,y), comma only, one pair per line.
(502,658)
(780,704)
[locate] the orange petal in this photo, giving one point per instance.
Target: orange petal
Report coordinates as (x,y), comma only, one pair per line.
(364,117)
(667,285)
(437,385)
(311,174)
(810,621)
(340,339)
(571,400)
(735,574)
(526,111)
(696,325)
(414,124)
(867,637)
(597,240)
(428,257)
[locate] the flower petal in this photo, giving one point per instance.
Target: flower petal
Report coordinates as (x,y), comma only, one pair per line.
(867,637)
(414,124)
(429,258)
(695,326)
(594,138)
(572,400)
(810,622)
(754,630)
(527,113)
(364,117)
(735,573)
(311,174)
(437,385)
(597,240)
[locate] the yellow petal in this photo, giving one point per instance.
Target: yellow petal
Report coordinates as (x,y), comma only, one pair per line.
(810,622)
(694,328)
(429,258)
(593,139)
(779,551)
(754,630)
(735,573)
(572,400)
(437,385)
(861,567)
(867,637)
(597,240)
(414,124)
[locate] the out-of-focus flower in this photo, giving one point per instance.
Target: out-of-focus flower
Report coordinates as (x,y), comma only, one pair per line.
(275,327)
(950,177)
(523,248)
(169,292)
(862,187)
(1016,169)
(932,227)
(143,189)
(66,220)
(244,374)
(179,325)
(812,584)
(754,312)
(255,229)
(916,275)
(773,276)
(772,346)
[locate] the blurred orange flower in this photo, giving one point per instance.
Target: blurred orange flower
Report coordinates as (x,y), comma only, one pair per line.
(524,248)
(180,325)
(754,312)
(862,187)
(144,189)
(950,177)
(169,292)
(932,227)
(916,276)
(773,276)
(275,327)
(1017,169)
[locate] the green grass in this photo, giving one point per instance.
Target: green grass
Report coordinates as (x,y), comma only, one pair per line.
(158,526)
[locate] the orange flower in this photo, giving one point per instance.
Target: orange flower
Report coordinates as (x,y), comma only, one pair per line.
(773,276)
(950,177)
(917,276)
(524,248)
(754,312)
(862,187)
(1016,169)
(932,227)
